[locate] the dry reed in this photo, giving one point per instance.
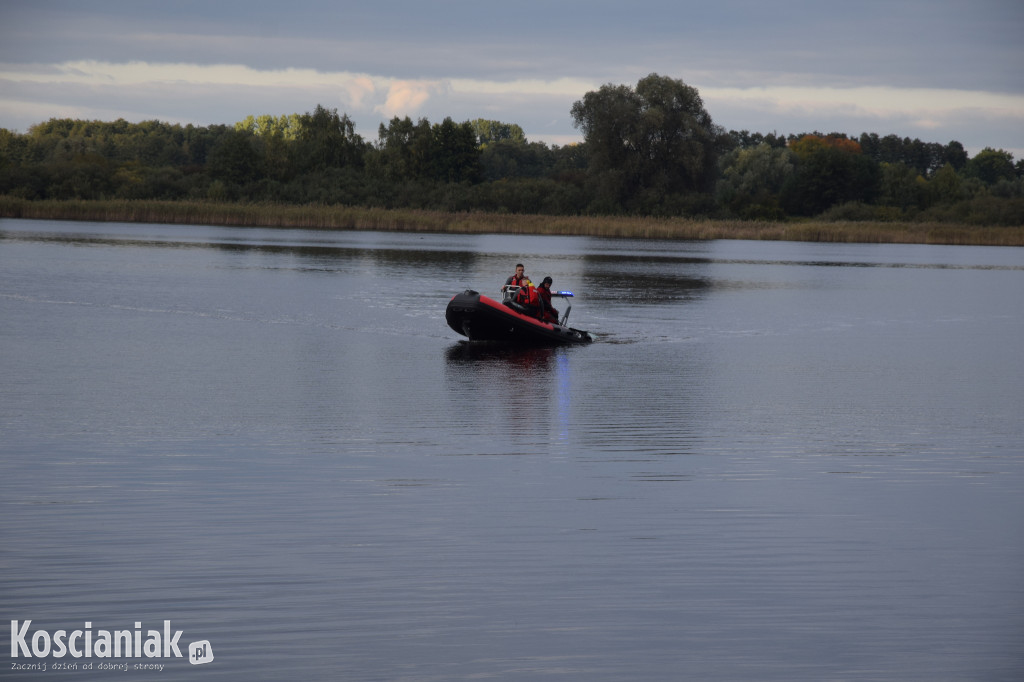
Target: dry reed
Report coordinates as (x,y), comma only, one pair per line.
(319,217)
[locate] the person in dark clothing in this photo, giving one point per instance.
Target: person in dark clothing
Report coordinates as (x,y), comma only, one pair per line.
(548,312)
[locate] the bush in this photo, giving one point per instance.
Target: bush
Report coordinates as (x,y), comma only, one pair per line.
(853,211)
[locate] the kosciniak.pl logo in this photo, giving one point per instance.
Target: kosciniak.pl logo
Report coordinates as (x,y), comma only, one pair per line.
(87,643)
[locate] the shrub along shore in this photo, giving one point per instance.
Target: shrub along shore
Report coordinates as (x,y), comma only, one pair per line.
(320,217)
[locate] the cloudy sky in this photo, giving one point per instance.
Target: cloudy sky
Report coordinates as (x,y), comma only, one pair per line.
(938,70)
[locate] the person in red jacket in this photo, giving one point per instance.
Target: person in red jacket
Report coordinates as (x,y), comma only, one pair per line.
(548,312)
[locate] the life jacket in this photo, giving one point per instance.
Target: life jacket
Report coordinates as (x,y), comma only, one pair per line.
(523,295)
(528,296)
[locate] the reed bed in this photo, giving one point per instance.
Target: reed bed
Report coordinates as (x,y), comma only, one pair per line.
(318,217)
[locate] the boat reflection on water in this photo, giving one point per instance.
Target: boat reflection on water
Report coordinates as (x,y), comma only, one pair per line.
(500,368)
(528,390)
(476,351)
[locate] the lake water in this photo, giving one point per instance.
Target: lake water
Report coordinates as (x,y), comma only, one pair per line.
(779,461)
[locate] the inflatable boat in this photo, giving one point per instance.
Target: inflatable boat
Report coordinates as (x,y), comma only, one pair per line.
(480,318)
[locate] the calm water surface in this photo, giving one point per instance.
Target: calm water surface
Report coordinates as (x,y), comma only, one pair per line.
(780,461)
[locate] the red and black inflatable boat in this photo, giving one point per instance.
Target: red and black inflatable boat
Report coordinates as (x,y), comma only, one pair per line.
(480,318)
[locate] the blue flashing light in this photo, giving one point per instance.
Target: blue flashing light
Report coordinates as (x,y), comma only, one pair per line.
(564,293)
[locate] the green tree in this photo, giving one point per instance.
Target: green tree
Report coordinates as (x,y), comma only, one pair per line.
(901,186)
(275,137)
(744,139)
(752,180)
(990,166)
(828,174)
(955,155)
(327,140)
(657,138)
(507,159)
(925,157)
(456,156)
(12,148)
(404,149)
(945,186)
(490,132)
(444,152)
(284,127)
(233,158)
(197,143)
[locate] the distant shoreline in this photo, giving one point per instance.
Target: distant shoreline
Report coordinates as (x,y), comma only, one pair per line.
(315,217)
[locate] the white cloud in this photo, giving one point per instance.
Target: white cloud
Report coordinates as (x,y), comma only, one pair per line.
(870,101)
(90,72)
(569,87)
(405,98)
(90,88)
(223,93)
(358,89)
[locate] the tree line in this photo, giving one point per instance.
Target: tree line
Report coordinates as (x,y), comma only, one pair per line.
(650,149)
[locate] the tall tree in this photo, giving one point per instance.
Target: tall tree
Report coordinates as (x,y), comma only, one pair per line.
(753,178)
(456,154)
(657,137)
(327,140)
(233,158)
(830,170)
(991,165)
(405,149)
